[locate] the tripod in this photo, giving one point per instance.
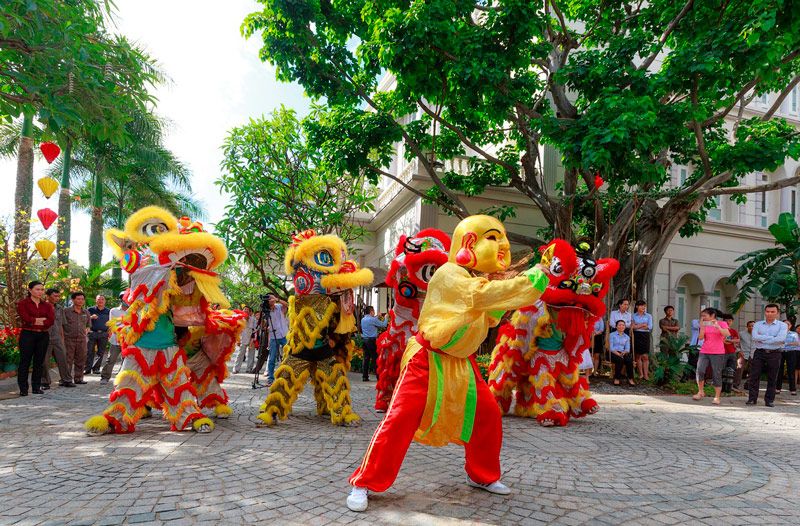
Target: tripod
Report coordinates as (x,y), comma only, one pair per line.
(263,342)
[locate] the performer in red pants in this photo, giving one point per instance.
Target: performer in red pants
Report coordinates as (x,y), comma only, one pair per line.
(440,394)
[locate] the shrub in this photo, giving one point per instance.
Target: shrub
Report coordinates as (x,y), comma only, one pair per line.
(669,365)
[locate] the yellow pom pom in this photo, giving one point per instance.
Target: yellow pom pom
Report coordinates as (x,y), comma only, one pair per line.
(223,411)
(97,425)
(200,422)
(265,419)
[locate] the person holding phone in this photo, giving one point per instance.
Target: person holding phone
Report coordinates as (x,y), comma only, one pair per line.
(713,333)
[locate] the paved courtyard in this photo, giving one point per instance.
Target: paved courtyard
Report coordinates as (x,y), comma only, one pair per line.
(640,460)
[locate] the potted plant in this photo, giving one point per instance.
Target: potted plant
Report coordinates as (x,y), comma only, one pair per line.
(9,348)
(672,362)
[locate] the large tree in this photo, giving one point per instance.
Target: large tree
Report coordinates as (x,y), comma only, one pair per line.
(114,180)
(60,65)
(279,186)
(620,89)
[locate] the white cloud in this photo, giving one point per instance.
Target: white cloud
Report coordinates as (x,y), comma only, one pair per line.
(217,82)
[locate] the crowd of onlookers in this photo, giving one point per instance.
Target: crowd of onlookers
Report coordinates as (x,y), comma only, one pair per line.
(75,336)
(768,346)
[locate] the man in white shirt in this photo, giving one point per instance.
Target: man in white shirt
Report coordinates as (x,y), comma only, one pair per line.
(769,336)
(622,313)
(114,347)
(245,345)
(277,329)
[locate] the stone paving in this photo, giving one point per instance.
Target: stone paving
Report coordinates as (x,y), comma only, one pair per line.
(640,460)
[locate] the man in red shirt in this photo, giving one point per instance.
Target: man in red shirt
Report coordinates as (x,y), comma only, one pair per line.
(730,343)
(37,316)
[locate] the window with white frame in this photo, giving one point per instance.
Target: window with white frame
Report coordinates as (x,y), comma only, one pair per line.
(680,305)
(794,100)
(715,299)
(762,202)
(716,212)
(763,99)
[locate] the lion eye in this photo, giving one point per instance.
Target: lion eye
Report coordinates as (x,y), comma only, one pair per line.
(154,228)
(323,258)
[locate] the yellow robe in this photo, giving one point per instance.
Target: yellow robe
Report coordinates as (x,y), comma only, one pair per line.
(458,312)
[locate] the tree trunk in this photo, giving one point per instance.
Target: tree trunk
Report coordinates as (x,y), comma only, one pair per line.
(116,270)
(646,244)
(64,208)
(23,195)
(96,229)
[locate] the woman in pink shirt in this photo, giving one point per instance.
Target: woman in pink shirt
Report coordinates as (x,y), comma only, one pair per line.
(713,334)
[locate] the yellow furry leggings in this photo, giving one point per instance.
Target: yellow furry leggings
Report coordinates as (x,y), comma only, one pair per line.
(155,377)
(331,389)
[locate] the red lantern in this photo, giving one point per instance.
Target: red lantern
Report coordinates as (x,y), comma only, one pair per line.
(598,181)
(50,151)
(47,217)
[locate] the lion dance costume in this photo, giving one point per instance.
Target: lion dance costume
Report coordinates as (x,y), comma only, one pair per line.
(318,346)
(172,285)
(440,397)
(538,352)
(416,259)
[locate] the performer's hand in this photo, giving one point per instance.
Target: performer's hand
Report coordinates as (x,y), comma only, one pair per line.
(543,268)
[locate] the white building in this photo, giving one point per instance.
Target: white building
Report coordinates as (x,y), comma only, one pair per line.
(692,274)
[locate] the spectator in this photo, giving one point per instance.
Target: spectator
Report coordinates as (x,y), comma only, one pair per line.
(114,347)
(55,346)
(696,333)
(745,353)
(369,332)
(642,325)
(789,357)
(76,326)
(98,335)
(598,343)
(278,328)
(37,316)
(769,337)
(730,343)
(622,313)
(246,347)
(712,333)
(668,325)
(619,344)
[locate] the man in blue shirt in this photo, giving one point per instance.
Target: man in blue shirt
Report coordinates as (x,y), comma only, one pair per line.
(769,337)
(370,326)
(98,335)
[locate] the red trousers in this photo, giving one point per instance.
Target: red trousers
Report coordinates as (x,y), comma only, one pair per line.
(390,442)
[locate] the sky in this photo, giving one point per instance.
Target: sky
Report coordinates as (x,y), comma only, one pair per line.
(217,82)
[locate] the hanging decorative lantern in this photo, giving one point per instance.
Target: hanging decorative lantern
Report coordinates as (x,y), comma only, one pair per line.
(48,186)
(45,247)
(47,217)
(50,151)
(598,181)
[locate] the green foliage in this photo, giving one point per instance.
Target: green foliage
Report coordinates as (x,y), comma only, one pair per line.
(242,285)
(667,365)
(623,89)
(58,59)
(772,272)
(279,185)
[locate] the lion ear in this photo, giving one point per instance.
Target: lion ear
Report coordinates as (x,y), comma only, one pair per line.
(118,241)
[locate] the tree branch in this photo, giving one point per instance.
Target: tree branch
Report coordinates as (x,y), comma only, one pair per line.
(776,185)
(778,101)
(665,35)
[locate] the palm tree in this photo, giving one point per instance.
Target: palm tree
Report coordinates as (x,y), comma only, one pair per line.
(139,173)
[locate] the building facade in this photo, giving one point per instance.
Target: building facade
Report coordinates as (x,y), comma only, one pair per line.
(694,271)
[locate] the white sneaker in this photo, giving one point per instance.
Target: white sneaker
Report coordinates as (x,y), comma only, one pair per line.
(357,500)
(495,487)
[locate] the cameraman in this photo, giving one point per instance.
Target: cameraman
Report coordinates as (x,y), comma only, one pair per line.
(277,327)
(370,326)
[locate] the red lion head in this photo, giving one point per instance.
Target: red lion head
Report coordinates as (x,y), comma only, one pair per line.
(577,279)
(416,259)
